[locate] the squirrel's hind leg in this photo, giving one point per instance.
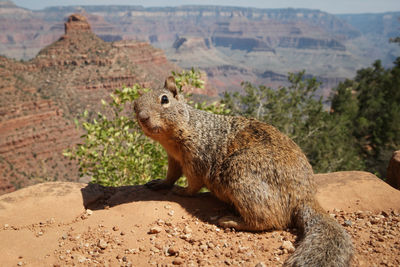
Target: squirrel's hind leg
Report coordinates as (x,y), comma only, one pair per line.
(249,181)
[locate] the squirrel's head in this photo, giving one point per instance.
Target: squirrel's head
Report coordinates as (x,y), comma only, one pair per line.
(160,112)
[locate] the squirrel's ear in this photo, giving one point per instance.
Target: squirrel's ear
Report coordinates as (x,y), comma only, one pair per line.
(171,85)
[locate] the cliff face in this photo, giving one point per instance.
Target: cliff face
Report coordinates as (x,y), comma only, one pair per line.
(40,98)
(253,40)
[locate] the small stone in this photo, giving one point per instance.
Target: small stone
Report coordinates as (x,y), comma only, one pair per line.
(171,213)
(167,207)
(102,244)
(203,247)
(155,250)
(81,259)
(20,263)
(177,261)
(64,236)
(172,251)
(186,237)
(242,249)
(348,223)
(122,233)
(115,228)
(155,230)
(261,264)
(288,245)
(89,212)
(385,214)
(187,230)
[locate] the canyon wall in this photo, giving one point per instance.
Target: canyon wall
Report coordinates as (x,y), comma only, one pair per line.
(40,98)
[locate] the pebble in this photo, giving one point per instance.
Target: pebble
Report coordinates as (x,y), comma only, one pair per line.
(89,212)
(155,230)
(81,259)
(348,223)
(115,228)
(172,251)
(261,264)
(102,244)
(203,247)
(187,230)
(177,261)
(288,245)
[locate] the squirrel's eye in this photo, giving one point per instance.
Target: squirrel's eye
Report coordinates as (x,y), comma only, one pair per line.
(164,99)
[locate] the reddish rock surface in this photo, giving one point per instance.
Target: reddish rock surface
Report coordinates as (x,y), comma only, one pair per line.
(358,190)
(76,224)
(393,172)
(77,24)
(40,98)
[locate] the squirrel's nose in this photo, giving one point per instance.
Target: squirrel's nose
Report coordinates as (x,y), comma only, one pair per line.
(143,116)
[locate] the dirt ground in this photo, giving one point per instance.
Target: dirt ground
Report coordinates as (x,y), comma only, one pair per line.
(70,224)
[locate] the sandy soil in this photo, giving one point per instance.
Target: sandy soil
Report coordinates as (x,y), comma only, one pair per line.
(70,224)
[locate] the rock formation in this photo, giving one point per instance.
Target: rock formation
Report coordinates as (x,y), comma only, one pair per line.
(60,223)
(256,41)
(40,98)
(393,171)
(76,24)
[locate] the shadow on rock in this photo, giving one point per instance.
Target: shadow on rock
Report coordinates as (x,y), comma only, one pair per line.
(203,205)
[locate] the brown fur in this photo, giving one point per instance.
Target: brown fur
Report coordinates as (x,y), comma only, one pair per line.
(247,163)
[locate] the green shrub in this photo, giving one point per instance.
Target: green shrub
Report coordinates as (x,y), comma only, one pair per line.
(114,151)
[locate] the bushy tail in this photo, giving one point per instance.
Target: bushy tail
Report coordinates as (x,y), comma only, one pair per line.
(324,242)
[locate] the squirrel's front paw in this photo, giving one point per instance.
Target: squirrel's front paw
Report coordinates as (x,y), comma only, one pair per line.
(158,184)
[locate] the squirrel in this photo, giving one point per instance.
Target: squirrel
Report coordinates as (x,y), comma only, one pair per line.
(247,163)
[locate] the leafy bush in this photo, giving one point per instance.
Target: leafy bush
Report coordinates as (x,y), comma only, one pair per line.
(371,102)
(114,151)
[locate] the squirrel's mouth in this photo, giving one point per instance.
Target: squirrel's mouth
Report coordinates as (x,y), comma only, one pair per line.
(149,130)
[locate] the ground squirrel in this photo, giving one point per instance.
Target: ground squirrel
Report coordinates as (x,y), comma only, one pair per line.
(247,163)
